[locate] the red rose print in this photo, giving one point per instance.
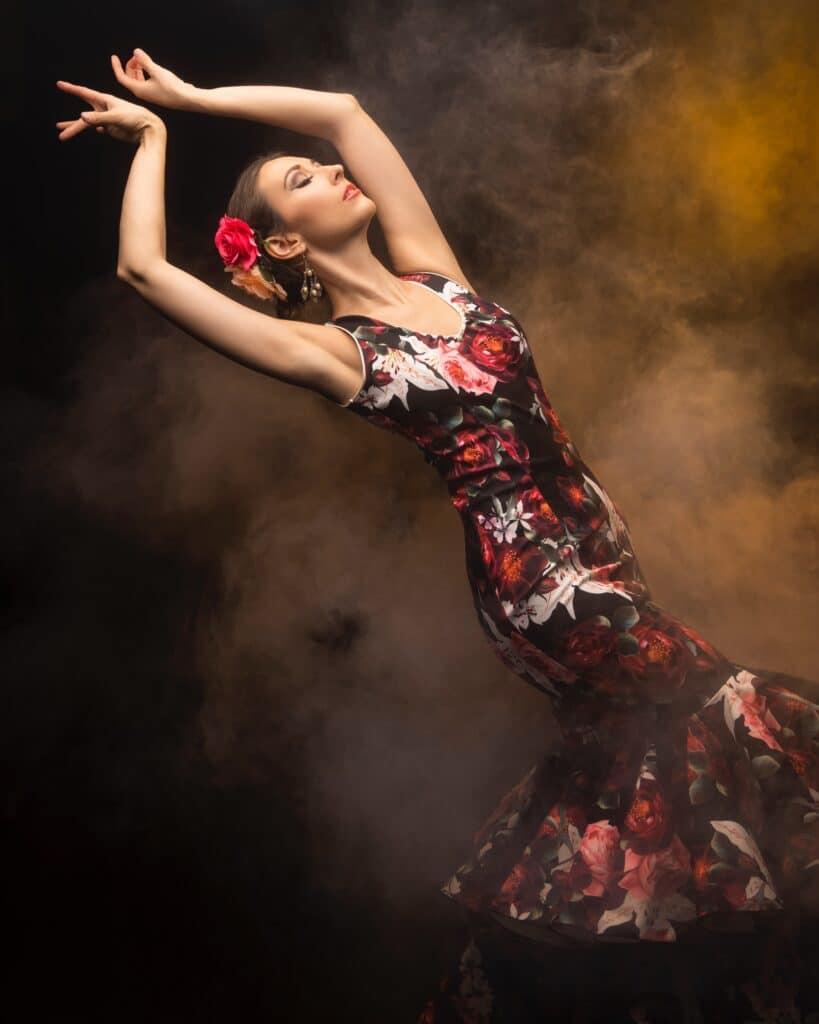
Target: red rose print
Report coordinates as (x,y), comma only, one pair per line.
(514,446)
(462,373)
(588,643)
(495,349)
(236,243)
(475,453)
(523,882)
(662,660)
(659,873)
(648,818)
(432,437)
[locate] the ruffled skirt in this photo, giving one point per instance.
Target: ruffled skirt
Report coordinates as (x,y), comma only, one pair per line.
(651,826)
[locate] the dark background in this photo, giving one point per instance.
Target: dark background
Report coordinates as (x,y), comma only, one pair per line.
(250,720)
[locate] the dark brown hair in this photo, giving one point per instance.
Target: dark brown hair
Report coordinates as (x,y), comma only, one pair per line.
(249,204)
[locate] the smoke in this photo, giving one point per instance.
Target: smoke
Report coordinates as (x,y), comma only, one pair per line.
(638,186)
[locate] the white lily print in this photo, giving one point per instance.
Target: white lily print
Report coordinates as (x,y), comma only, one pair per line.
(460,373)
(744,841)
(741,700)
(538,607)
(504,523)
(650,916)
(509,655)
(618,531)
(404,370)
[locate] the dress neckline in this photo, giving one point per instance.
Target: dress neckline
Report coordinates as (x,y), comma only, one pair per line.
(452,338)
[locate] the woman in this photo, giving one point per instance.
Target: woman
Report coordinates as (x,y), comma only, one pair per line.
(680,808)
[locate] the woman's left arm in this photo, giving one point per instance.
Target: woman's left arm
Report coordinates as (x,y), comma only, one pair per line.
(309,111)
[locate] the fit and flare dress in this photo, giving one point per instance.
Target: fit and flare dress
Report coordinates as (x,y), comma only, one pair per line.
(683,786)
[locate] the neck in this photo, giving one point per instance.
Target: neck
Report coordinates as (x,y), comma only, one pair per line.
(354,280)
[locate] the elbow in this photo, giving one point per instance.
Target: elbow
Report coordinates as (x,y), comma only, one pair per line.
(130,277)
(134,275)
(346,108)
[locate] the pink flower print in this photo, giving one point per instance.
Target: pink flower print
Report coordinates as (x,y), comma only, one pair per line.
(600,849)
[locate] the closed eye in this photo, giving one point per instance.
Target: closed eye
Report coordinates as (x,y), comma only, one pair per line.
(309,178)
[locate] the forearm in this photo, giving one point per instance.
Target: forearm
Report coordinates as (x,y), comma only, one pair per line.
(309,111)
(142,221)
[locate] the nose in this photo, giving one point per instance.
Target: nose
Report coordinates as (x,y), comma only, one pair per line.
(337,171)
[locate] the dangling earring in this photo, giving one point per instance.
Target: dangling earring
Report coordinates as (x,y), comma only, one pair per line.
(310,285)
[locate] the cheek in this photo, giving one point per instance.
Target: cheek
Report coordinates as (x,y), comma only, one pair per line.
(317,207)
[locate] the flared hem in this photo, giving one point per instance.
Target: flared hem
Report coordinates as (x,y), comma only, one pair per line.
(699,931)
(501,975)
(652,822)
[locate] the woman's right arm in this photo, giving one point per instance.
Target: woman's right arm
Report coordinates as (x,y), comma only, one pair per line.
(288,350)
(296,352)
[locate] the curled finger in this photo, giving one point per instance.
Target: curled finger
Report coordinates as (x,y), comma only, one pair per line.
(135,69)
(123,75)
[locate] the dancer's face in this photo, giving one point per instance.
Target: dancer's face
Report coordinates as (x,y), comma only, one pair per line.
(309,198)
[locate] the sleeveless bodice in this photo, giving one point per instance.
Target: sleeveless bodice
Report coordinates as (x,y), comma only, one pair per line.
(538,523)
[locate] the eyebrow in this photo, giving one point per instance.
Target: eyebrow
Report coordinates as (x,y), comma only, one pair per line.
(295,167)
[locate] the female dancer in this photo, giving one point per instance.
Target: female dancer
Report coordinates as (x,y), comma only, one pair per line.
(682,799)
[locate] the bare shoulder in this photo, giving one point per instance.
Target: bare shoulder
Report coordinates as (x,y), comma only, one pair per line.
(435,262)
(336,364)
(453,272)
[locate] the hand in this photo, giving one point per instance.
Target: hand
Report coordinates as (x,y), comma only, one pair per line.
(163,86)
(111,116)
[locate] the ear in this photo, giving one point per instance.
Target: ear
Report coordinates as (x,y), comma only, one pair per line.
(284,247)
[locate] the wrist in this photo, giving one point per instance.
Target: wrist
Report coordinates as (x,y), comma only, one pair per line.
(154,133)
(191,98)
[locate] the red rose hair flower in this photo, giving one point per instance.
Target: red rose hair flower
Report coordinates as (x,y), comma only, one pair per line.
(236,243)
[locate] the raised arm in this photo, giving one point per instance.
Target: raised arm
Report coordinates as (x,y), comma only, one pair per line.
(287,350)
(299,353)
(414,238)
(310,111)
(413,235)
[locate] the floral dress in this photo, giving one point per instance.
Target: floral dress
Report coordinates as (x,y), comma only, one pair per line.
(683,786)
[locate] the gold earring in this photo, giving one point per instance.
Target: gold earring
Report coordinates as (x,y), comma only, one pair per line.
(310,285)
